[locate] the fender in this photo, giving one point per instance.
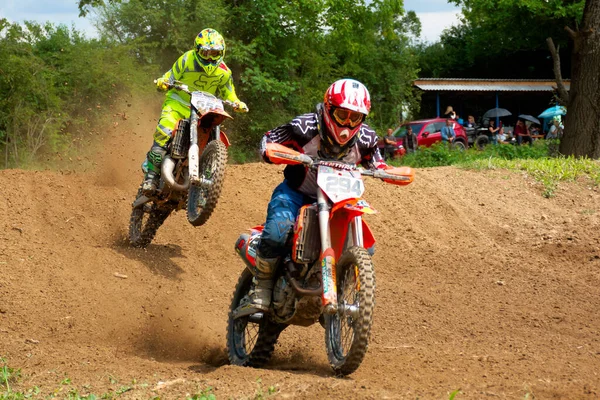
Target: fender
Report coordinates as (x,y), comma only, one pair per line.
(342,214)
(223,137)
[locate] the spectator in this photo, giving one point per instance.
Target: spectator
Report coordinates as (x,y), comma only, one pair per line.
(555,130)
(409,142)
(470,122)
(554,134)
(450,113)
(390,145)
(534,130)
(494,131)
(522,133)
(503,138)
(447,132)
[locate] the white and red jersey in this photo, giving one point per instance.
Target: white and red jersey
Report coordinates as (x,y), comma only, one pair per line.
(302,134)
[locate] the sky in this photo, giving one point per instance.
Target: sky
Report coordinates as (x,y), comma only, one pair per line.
(435,15)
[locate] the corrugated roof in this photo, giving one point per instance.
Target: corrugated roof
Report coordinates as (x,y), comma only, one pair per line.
(487,85)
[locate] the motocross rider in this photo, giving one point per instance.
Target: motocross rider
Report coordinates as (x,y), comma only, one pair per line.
(334,131)
(201,68)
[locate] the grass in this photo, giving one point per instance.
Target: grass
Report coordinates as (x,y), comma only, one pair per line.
(533,160)
(65,389)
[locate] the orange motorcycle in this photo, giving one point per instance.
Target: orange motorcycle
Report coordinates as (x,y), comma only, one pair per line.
(192,172)
(328,275)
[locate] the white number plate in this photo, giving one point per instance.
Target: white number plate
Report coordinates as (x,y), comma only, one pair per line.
(204,102)
(340,185)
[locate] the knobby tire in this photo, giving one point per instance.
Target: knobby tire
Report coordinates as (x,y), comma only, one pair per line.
(268,331)
(212,166)
(141,233)
(345,363)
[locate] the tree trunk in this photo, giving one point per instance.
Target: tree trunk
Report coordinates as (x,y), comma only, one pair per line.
(582,123)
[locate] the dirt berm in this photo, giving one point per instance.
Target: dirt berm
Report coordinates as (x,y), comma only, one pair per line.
(483,285)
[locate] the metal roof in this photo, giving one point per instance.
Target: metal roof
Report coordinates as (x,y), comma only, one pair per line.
(488,85)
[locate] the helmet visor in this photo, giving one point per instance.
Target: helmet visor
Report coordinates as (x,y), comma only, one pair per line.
(210,54)
(345,117)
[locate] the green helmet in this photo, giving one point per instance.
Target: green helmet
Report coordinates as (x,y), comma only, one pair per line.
(210,49)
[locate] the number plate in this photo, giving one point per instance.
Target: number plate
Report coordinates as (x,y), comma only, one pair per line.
(204,102)
(340,185)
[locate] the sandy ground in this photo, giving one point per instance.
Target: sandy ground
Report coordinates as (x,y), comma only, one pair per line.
(483,285)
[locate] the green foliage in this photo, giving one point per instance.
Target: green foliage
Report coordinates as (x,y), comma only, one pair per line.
(454,394)
(260,394)
(8,375)
(53,84)
(159,31)
(440,154)
(205,394)
(502,39)
(283,55)
(533,160)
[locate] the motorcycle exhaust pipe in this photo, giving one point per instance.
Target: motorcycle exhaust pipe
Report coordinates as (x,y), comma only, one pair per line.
(168,166)
(300,290)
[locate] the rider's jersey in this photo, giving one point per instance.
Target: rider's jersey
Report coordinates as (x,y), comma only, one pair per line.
(302,134)
(187,69)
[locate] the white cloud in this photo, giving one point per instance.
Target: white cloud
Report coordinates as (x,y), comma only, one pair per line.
(433,23)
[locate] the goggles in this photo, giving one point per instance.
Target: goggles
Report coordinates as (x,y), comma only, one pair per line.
(346,117)
(210,54)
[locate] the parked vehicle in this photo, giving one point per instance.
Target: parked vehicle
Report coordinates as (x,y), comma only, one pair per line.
(328,275)
(428,132)
(192,172)
(478,137)
(398,152)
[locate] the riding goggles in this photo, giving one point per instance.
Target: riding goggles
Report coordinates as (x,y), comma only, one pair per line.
(345,117)
(210,54)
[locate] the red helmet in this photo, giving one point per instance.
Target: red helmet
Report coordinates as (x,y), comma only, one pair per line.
(347,103)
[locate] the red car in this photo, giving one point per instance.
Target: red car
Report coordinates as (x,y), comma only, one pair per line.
(428,132)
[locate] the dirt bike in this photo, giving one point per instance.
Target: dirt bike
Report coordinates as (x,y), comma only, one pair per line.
(328,275)
(192,172)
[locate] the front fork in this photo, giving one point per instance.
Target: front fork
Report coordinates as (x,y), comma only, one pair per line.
(328,262)
(194,151)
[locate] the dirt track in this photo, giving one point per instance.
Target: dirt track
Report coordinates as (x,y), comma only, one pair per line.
(483,285)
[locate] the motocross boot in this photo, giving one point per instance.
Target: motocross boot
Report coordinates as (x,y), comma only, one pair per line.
(259,296)
(154,160)
(150,184)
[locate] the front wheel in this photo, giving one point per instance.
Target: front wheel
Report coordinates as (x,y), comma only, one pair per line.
(347,332)
(203,198)
(250,339)
(144,222)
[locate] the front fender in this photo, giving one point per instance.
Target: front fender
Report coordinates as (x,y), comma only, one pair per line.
(341,215)
(223,137)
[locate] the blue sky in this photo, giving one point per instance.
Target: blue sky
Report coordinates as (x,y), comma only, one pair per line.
(435,15)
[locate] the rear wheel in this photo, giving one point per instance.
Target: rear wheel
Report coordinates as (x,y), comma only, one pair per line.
(481,141)
(144,222)
(203,199)
(250,339)
(459,145)
(347,332)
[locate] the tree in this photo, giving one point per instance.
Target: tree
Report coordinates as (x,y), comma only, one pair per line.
(582,135)
(503,39)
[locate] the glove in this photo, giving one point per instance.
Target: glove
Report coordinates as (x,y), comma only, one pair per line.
(162,84)
(240,106)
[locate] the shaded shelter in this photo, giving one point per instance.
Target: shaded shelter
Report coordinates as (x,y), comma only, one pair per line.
(476,96)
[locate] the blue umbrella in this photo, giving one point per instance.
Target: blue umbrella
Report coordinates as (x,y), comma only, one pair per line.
(553,112)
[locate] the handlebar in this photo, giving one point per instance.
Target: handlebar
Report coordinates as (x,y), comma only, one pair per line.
(284,155)
(184,88)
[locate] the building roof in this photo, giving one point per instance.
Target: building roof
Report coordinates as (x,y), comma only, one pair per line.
(488,85)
